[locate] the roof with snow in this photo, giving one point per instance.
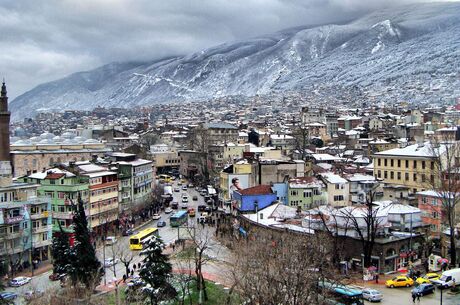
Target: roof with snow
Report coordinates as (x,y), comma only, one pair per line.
(415,150)
(333,178)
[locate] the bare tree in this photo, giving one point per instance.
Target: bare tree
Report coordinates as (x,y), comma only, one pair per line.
(365,221)
(282,268)
(445,181)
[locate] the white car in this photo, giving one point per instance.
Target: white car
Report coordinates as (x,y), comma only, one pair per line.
(109,262)
(19,281)
(184,187)
(168,211)
(185,199)
(372,295)
(156,217)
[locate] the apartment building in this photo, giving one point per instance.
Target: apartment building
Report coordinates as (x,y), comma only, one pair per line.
(411,166)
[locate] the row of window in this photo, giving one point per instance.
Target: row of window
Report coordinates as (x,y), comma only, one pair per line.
(104,191)
(406,163)
(338,198)
(391,175)
(306,193)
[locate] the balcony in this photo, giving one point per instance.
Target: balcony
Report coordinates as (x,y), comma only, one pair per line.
(42,243)
(37,200)
(42,229)
(63,215)
(15,219)
(43,214)
(13,235)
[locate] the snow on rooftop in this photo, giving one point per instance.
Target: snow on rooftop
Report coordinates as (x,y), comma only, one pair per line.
(427,150)
(333,178)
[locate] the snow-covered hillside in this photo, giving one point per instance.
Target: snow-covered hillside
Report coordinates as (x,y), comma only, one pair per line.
(385,49)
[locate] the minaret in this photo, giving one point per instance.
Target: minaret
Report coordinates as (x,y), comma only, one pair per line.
(5,160)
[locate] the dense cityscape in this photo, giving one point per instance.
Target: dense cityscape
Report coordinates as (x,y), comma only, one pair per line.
(292,163)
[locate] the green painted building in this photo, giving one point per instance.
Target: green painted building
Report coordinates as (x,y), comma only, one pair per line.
(306,192)
(63,188)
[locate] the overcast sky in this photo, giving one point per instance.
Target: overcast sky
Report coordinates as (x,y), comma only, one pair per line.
(45,40)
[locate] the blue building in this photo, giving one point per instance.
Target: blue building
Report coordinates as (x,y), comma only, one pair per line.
(281,191)
(254,198)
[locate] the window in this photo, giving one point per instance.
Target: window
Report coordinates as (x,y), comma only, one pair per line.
(385,162)
(337,186)
(379,162)
(399,175)
(414,177)
(432,165)
(399,163)
(423,178)
(379,174)
(432,179)
(435,215)
(423,164)
(434,202)
(307,194)
(338,198)
(415,163)
(392,163)
(406,176)
(392,175)
(424,200)
(385,175)
(407,163)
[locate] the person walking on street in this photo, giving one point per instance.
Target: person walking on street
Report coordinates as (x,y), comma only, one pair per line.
(414,296)
(376,278)
(418,297)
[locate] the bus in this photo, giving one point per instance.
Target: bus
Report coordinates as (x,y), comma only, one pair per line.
(136,241)
(342,294)
(178,218)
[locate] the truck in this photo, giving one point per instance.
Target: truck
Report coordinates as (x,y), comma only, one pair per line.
(448,278)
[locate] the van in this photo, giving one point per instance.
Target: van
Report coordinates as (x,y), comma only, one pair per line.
(448,278)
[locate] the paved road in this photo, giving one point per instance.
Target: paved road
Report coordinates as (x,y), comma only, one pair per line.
(167,233)
(402,296)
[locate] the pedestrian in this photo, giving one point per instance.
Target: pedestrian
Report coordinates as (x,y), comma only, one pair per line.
(376,278)
(418,297)
(124,278)
(139,265)
(132,273)
(173,246)
(414,296)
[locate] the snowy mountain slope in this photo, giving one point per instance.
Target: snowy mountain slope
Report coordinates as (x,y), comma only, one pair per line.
(387,48)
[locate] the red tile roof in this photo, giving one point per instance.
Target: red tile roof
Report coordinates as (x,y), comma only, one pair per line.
(257,190)
(54,175)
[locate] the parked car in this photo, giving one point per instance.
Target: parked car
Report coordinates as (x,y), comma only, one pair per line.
(33,294)
(191,185)
(184,205)
(176,189)
(156,217)
(161,223)
(184,187)
(427,278)
(19,281)
(110,240)
(56,276)
(168,211)
(127,232)
(8,295)
(372,295)
(184,198)
(201,208)
(195,198)
(424,289)
(400,281)
(109,262)
(175,205)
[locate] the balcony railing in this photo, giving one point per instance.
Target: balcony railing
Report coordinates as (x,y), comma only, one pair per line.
(63,215)
(14,235)
(42,229)
(15,219)
(43,214)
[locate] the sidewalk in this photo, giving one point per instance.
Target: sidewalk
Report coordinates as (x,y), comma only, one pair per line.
(44,267)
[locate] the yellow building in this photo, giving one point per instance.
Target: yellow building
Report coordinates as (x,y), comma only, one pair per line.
(241,170)
(411,166)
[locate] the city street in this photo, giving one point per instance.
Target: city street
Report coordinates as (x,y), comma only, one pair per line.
(167,233)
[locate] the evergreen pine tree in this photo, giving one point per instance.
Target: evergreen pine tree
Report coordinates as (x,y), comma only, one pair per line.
(85,268)
(61,252)
(155,271)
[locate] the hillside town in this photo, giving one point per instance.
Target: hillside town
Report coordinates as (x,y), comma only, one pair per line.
(379,183)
